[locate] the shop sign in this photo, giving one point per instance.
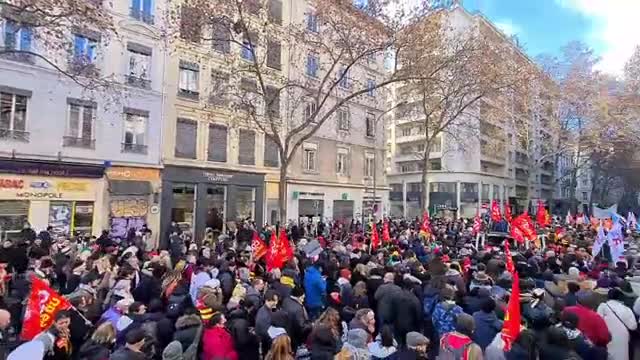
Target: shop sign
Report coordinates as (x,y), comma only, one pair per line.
(217,177)
(40,185)
(130,173)
(71,186)
(11,183)
(126,208)
(38,195)
(42,168)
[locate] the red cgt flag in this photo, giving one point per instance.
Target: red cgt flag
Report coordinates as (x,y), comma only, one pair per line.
(42,306)
(542,216)
(385,231)
(425,227)
(507,212)
(258,247)
(375,238)
(280,251)
(477,224)
(525,225)
(511,325)
(495,211)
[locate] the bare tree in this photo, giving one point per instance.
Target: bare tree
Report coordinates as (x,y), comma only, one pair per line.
(327,58)
(49,23)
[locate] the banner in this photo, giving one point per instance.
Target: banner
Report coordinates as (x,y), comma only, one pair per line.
(495,211)
(599,213)
(600,239)
(616,242)
(42,306)
(258,247)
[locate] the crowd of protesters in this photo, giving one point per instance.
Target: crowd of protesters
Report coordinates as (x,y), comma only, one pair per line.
(414,297)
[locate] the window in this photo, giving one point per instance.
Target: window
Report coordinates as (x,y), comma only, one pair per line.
(343,78)
(343,119)
(273,54)
(219,86)
(370,125)
(139,65)
(189,80)
(13,116)
(312,21)
(310,111)
(248,46)
(405,168)
(217,149)
(84,49)
(585,196)
(369,164)
(249,94)
(252,6)
(371,84)
(271,153)
(186,139)
(312,65)
(142,10)
(342,162)
(245,198)
(275,11)
(191,20)
(272,97)
(221,36)
(247,147)
(406,131)
(310,157)
(17,36)
(80,125)
(135,128)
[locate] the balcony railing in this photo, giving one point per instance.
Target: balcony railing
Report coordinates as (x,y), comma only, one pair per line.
(138,82)
(142,16)
(18,135)
(79,142)
(134,148)
(188,94)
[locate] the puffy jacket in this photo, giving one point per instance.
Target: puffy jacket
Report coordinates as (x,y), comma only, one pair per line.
(246,343)
(187,328)
(315,287)
(217,344)
(487,326)
(444,318)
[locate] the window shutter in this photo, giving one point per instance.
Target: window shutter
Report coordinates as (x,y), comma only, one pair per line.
(275,11)
(25,41)
(247,147)
(274,49)
(271,153)
(186,139)
(217,148)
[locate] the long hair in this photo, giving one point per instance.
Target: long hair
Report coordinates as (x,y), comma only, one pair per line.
(280,349)
(105,334)
(331,319)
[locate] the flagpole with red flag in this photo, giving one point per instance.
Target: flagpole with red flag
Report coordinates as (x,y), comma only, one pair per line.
(258,247)
(425,227)
(511,325)
(495,211)
(386,238)
(375,238)
(42,306)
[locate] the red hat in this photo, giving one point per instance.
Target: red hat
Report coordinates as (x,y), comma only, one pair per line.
(345,273)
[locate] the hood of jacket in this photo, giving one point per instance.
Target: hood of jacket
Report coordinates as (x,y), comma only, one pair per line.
(187,321)
(489,319)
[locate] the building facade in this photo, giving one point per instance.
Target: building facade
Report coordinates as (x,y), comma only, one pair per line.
(480,159)
(74,155)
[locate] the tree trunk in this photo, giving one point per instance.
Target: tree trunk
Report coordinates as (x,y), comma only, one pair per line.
(425,178)
(282,193)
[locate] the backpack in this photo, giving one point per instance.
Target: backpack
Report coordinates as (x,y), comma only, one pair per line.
(449,353)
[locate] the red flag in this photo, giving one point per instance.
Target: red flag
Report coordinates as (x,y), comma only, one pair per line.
(375,238)
(280,251)
(385,231)
(511,325)
(258,247)
(425,227)
(477,224)
(517,234)
(524,224)
(42,306)
(560,232)
(507,212)
(509,260)
(542,216)
(495,211)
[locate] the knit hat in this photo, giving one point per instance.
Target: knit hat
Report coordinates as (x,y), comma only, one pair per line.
(357,338)
(415,339)
(173,351)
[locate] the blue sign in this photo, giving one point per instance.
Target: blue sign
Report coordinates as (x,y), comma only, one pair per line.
(40,184)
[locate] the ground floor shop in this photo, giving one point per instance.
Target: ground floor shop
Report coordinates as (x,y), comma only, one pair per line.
(321,202)
(450,194)
(203,201)
(65,196)
(133,200)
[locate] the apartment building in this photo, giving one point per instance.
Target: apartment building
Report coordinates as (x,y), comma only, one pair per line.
(73,155)
(495,158)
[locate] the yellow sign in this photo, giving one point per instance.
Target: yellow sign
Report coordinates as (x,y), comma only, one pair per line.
(71,186)
(47,188)
(132,173)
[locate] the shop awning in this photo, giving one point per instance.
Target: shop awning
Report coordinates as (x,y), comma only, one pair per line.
(129,187)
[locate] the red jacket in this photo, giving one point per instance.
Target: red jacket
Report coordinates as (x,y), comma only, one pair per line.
(217,344)
(591,324)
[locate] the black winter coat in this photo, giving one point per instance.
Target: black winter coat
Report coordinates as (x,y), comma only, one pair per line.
(94,351)
(298,320)
(245,342)
(186,330)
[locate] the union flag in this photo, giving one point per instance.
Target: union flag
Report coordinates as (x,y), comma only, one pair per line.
(42,306)
(258,247)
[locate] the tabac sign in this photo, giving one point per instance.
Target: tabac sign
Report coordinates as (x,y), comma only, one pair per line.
(45,188)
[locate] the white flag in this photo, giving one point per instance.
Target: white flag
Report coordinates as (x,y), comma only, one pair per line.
(631,219)
(616,242)
(600,239)
(569,218)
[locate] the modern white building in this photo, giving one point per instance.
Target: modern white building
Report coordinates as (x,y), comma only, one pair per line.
(81,153)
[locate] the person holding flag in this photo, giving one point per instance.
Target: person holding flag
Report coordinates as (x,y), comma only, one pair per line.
(375,237)
(477,225)
(386,238)
(495,212)
(425,226)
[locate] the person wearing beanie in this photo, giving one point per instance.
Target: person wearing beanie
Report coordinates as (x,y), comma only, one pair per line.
(293,306)
(458,344)
(445,313)
(346,290)
(356,346)
(173,351)
(416,347)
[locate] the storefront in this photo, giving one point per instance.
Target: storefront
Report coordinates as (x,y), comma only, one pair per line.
(62,195)
(199,199)
(134,200)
